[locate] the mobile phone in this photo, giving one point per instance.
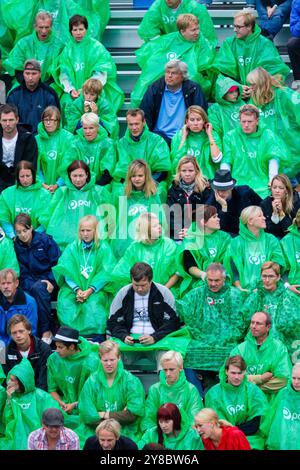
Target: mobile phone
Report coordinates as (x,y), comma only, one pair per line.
(136,340)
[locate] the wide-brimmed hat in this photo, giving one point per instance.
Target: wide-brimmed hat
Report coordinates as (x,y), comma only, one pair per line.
(222,180)
(67,335)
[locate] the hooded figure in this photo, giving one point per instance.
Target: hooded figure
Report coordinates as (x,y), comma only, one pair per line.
(23,409)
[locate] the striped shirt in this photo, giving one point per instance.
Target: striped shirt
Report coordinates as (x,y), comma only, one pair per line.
(68,440)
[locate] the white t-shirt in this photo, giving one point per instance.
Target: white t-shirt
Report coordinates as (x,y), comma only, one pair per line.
(9,147)
(141,324)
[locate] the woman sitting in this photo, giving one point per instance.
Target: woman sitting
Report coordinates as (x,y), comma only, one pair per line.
(82,273)
(172,430)
(290,245)
(189,189)
(27,196)
(219,434)
(197,139)
(280,208)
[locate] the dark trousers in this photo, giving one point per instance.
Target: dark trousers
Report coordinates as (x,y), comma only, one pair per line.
(38,290)
(293,46)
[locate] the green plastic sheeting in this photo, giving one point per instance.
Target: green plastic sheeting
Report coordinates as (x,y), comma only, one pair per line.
(237,57)
(249,253)
(18,17)
(68,205)
(23,411)
(8,257)
(284,307)
(182,393)
(224,115)
(67,375)
(238,404)
(205,249)
(90,316)
(126,391)
(31,200)
(161,19)
(249,154)
(153,56)
(282,424)
(290,245)
(52,149)
(30,47)
(97,13)
(214,322)
(60,11)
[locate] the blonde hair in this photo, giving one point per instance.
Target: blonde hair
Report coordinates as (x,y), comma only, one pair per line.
(263,91)
(109,346)
(249,109)
(93,221)
(143,227)
(185,20)
(208,415)
(247,15)
(110,425)
(287,203)
(90,119)
(92,85)
(296,220)
(197,110)
(172,356)
(149,187)
(270,265)
(248,213)
(200,181)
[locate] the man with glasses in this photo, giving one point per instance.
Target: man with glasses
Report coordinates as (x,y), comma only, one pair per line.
(247,50)
(33,96)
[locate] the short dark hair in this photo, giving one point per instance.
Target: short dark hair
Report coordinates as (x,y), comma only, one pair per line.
(15,319)
(79,164)
(23,219)
(140,271)
(25,165)
(136,112)
(9,108)
(77,20)
(236,361)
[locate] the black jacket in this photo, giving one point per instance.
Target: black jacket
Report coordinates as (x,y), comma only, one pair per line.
(26,149)
(152,99)
(163,318)
(280,229)
(242,197)
(179,219)
(123,443)
(38,360)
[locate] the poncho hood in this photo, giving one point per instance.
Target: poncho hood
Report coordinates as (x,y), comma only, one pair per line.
(25,373)
(225,384)
(177,386)
(118,376)
(223,84)
(245,233)
(294,230)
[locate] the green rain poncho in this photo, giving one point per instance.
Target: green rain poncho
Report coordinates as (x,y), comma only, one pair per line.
(68,205)
(160,255)
(31,47)
(126,392)
(88,59)
(249,155)
(129,209)
(31,200)
(187,439)
(196,145)
(61,11)
(52,149)
(90,316)
(67,375)
(18,16)
(271,356)
(215,324)
(151,147)
(99,154)
(153,56)
(238,404)
(161,19)
(23,411)
(97,13)
(237,57)
(284,307)
(282,116)
(290,245)
(205,249)
(224,115)
(249,253)
(183,394)
(3,397)
(8,257)
(282,424)
(107,117)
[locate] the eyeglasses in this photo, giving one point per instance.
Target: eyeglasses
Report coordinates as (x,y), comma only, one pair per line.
(266,276)
(236,26)
(50,120)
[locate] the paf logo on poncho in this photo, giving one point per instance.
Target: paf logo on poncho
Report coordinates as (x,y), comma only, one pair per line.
(110,406)
(87,269)
(234,116)
(75,204)
(255,369)
(256,259)
(25,406)
(243,61)
(172,55)
(168,19)
(25,210)
(297,256)
(235,409)
(137,209)
(89,159)
(52,155)
(193,153)
(79,66)
(212,252)
(69,379)
(212,301)
(287,414)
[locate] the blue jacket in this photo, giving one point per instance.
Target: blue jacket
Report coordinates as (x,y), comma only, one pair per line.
(31,104)
(295,19)
(37,259)
(23,304)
